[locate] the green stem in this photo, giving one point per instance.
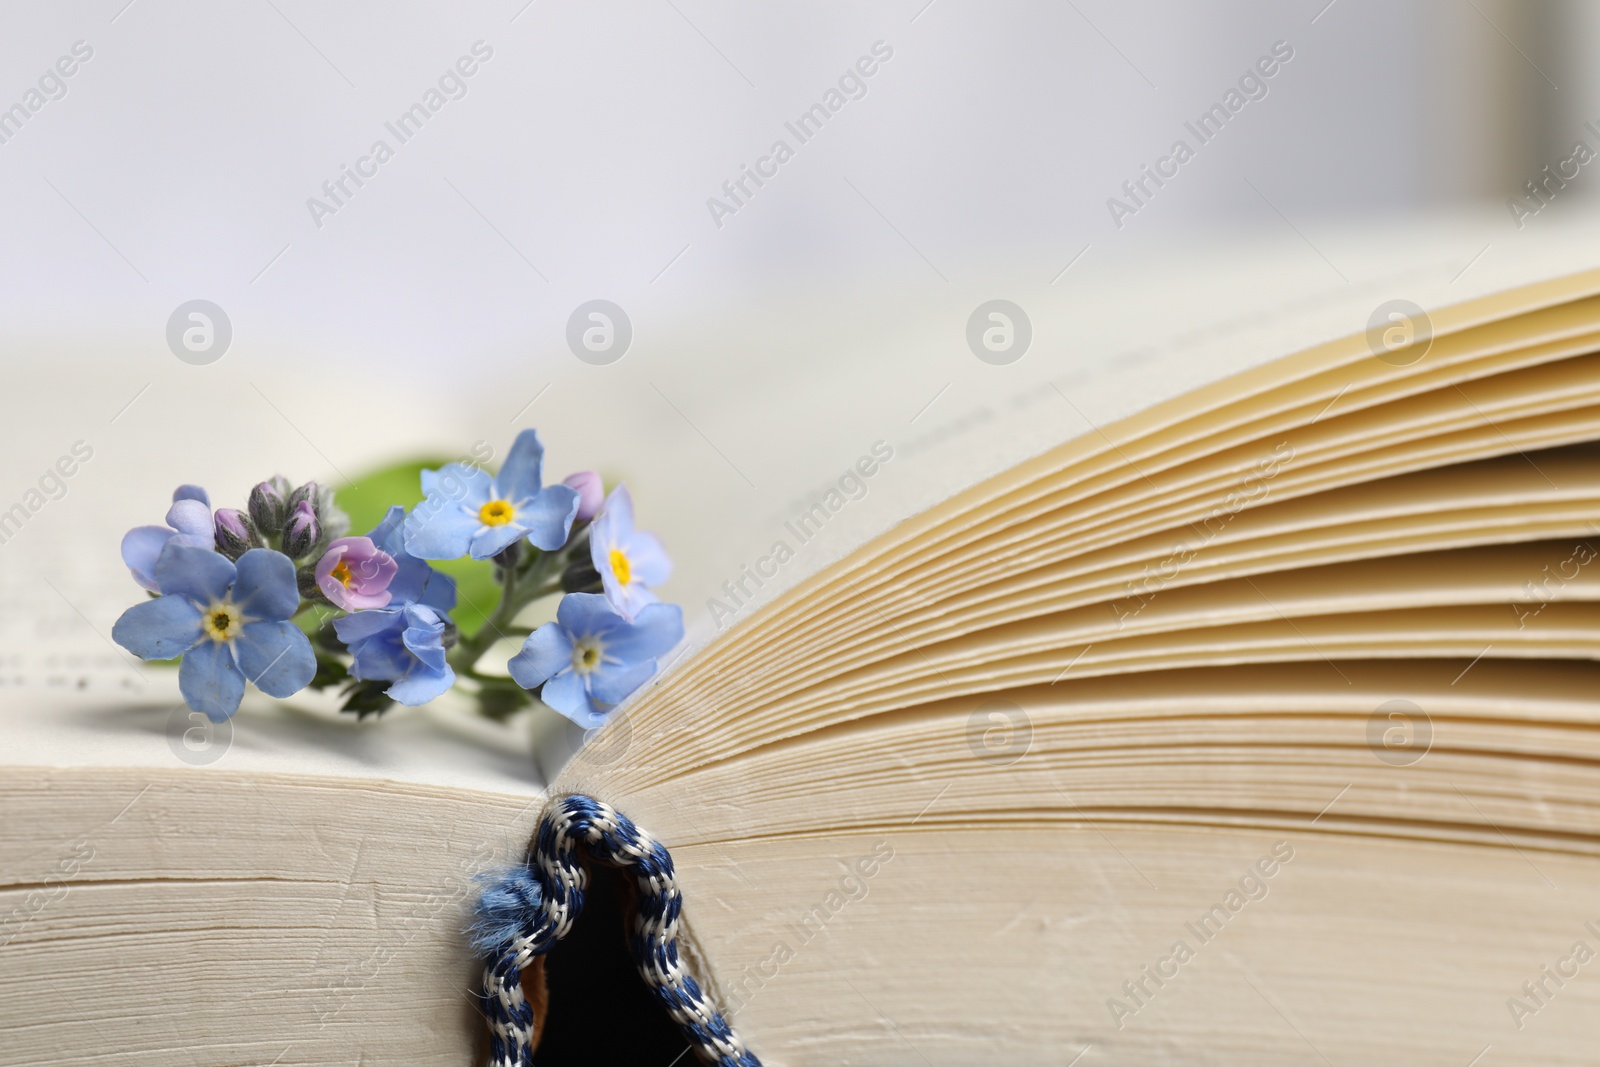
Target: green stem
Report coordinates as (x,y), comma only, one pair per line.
(547,589)
(494,681)
(519,586)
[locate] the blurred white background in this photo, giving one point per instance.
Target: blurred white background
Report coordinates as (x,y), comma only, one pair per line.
(578,165)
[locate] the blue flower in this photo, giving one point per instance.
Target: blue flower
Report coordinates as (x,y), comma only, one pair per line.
(403,645)
(415,582)
(465,511)
(628,561)
(404,642)
(188,522)
(591,658)
(229,621)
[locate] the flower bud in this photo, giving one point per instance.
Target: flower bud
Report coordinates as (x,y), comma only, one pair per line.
(509,556)
(591,493)
(331,520)
(269,505)
(306,492)
(581,576)
(235,533)
(302,532)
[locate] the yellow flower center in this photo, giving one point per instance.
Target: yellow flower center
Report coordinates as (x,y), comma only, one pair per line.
(222,621)
(620,567)
(496,513)
(585,656)
(341,571)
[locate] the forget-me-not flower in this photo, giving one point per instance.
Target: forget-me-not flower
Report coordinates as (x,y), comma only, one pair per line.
(188,521)
(403,643)
(354,574)
(591,658)
(414,581)
(465,511)
(629,561)
(591,493)
(229,621)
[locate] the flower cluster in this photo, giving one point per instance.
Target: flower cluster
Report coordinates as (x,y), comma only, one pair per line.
(279,595)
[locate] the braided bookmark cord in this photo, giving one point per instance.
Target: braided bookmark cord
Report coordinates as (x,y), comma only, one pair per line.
(524,911)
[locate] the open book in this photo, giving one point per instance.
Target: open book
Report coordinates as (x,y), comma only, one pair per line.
(1253,721)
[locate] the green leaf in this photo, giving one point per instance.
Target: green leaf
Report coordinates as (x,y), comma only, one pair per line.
(368,499)
(366,698)
(329,672)
(498,702)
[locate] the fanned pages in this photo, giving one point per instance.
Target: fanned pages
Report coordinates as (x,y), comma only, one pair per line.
(1258,726)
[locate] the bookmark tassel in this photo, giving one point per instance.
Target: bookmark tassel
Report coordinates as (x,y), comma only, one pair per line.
(525,910)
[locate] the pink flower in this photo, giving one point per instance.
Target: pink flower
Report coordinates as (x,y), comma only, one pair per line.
(591,493)
(355,574)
